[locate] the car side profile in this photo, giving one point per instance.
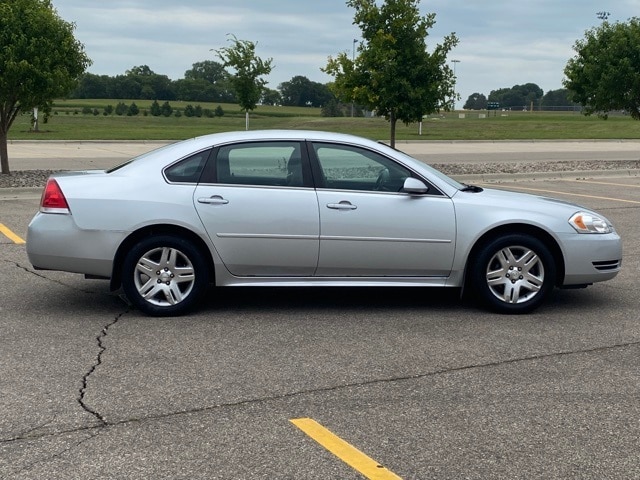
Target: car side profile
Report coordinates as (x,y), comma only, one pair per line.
(302,208)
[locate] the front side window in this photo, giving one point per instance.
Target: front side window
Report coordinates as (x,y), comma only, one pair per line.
(352,168)
(261,163)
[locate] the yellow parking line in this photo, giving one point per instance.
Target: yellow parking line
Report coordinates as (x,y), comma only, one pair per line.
(344,451)
(10,235)
(575,194)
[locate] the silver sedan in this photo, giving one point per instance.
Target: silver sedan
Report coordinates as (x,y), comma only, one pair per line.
(297,208)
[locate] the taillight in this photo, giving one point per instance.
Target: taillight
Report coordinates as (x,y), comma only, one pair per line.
(53,200)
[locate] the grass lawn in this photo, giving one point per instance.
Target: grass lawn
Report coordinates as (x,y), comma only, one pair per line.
(68,123)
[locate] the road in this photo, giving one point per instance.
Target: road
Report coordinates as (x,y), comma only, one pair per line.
(423,384)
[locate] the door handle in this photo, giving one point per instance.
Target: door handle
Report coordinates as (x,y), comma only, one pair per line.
(213,200)
(343,205)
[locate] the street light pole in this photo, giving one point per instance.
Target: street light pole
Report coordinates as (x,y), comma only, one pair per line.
(454,82)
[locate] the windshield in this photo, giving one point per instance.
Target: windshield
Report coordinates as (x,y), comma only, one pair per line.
(437,173)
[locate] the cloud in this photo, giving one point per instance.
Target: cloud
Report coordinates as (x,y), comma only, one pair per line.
(502,42)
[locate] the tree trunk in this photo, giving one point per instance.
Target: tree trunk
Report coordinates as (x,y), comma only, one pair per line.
(393,120)
(4,153)
(246,120)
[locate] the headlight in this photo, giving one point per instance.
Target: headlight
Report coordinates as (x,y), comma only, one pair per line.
(585,222)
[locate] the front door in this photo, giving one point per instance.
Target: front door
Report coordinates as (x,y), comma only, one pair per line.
(370,228)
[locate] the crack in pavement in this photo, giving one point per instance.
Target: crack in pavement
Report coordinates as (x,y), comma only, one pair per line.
(85,379)
(105,424)
(92,431)
(53,456)
(44,277)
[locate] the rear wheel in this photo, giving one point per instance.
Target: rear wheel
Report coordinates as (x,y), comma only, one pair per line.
(513,273)
(164,275)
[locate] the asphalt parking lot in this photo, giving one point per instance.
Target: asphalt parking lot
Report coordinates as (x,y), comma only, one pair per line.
(398,383)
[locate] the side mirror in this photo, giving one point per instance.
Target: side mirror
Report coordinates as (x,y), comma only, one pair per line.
(414,186)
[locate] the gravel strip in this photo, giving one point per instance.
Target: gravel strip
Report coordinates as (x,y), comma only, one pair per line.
(37,178)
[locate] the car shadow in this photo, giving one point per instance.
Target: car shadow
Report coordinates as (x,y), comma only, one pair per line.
(351,298)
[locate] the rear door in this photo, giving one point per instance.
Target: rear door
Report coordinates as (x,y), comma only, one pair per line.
(260,210)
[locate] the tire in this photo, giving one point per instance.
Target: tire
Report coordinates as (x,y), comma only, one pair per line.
(164,275)
(513,274)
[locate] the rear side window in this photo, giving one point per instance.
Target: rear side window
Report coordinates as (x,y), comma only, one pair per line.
(277,164)
(187,170)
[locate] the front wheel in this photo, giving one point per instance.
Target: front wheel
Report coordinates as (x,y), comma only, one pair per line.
(164,275)
(513,274)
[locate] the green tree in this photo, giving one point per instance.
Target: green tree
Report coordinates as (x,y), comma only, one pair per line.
(557,100)
(394,74)
(124,86)
(40,60)
(133,110)
(332,109)
(198,90)
(476,101)
(121,109)
(189,111)
(210,71)
(151,85)
(249,68)
(155,109)
(302,92)
(604,74)
(166,109)
(518,96)
(271,97)
(91,86)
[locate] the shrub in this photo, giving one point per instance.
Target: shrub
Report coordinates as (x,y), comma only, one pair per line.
(155,110)
(133,110)
(166,109)
(121,108)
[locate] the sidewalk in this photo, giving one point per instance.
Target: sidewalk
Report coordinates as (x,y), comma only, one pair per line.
(69,155)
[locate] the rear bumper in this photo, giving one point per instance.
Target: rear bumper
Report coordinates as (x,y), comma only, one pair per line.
(54,242)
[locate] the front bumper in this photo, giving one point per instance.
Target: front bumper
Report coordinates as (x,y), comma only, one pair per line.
(591,258)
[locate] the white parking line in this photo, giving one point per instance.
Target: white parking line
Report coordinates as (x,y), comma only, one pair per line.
(605,183)
(555,192)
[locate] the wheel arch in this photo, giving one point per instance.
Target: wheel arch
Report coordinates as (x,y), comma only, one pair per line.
(520,228)
(149,231)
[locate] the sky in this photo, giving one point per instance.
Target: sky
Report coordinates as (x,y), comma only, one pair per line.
(502,42)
